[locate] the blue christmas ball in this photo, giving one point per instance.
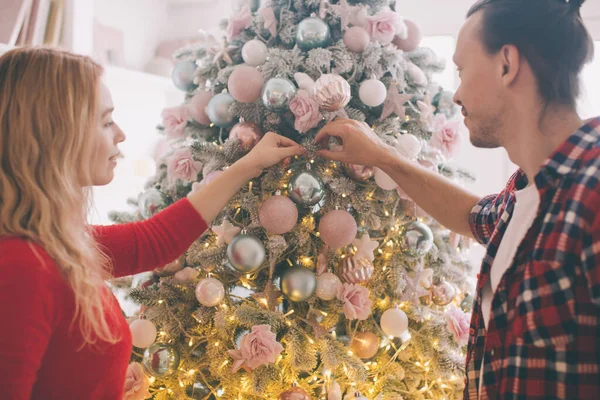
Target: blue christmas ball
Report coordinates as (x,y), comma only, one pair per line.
(218,110)
(277,94)
(312,33)
(183,75)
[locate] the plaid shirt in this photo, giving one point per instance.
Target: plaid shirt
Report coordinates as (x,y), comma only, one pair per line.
(543,338)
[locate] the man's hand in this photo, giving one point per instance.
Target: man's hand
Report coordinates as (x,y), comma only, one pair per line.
(360,145)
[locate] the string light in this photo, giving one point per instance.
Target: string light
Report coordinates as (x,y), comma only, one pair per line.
(191,343)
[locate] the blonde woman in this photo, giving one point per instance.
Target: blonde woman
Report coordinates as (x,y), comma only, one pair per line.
(63,335)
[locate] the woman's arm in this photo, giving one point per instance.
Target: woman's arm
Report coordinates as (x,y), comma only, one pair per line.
(144,246)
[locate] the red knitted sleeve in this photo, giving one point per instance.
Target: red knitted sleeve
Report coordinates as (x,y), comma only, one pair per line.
(142,246)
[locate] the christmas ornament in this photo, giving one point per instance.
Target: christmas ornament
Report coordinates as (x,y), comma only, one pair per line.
(185,275)
(355,270)
(221,51)
(197,107)
(349,14)
(277,93)
(327,286)
(443,293)
(365,344)
(171,268)
(218,110)
(443,101)
(337,228)
(427,113)
(295,393)
(332,92)
(183,75)
(246,253)
(365,247)
(312,33)
(298,283)
(161,360)
(359,173)
(416,75)
(248,133)
(416,239)
(278,215)
(305,82)
(467,303)
(150,202)
(197,391)
(143,333)
(306,188)
(334,391)
(426,278)
(408,145)
(384,181)
(394,322)
(225,232)
(357,39)
(372,92)
(413,39)
(255,53)
(210,292)
(394,102)
(245,84)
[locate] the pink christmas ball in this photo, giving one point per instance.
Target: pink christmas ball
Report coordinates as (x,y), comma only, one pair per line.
(245,84)
(327,286)
(408,145)
(413,40)
(197,107)
(384,181)
(338,229)
(143,333)
(248,133)
(278,215)
(356,39)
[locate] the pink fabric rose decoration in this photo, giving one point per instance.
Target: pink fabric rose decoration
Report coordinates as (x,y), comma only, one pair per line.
(306,110)
(175,120)
(357,304)
(239,21)
(446,136)
(136,383)
(181,165)
(384,26)
(257,348)
(458,324)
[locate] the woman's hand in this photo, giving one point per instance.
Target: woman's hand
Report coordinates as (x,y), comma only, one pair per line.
(270,150)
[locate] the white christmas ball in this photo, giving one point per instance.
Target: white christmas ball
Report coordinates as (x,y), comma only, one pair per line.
(327,286)
(255,53)
(384,181)
(372,92)
(408,145)
(394,322)
(143,333)
(210,292)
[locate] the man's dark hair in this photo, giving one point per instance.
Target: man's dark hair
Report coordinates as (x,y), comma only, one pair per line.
(550,34)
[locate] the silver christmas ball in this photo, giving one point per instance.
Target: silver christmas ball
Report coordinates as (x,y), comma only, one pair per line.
(218,110)
(246,253)
(443,293)
(183,75)
(298,283)
(161,360)
(312,33)
(306,188)
(467,303)
(150,202)
(416,239)
(277,93)
(197,391)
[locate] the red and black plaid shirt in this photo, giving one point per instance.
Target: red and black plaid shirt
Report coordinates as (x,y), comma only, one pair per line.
(543,338)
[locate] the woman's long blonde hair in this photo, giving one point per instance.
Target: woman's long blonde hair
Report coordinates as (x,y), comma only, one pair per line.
(48,111)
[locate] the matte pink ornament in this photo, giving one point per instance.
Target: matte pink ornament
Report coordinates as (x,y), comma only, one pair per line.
(359,173)
(245,84)
(143,333)
(413,40)
(338,229)
(278,215)
(248,133)
(384,181)
(197,107)
(356,270)
(408,145)
(356,39)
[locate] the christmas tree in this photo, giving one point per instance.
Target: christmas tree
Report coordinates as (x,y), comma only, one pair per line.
(319,279)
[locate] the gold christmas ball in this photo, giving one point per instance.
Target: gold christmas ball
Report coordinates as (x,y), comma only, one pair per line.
(365,344)
(295,393)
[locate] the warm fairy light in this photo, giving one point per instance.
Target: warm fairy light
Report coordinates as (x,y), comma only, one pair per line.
(317,234)
(380,251)
(327,171)
(264,302)
(334,335)
(161,301)
(162,333)
(384,268)
(344,195)
(191,372)
(224,363)
(152,379)
(216,344)
(206,245)
(350,353)
(311,341)
(191,343)
(181,384)
(388,347)
(279,358)
(250,186)
(232,318)
(387,214)
(324,313)
(248,276)
(312,161)
(288,313)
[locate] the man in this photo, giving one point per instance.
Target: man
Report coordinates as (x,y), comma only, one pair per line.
(535,331)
